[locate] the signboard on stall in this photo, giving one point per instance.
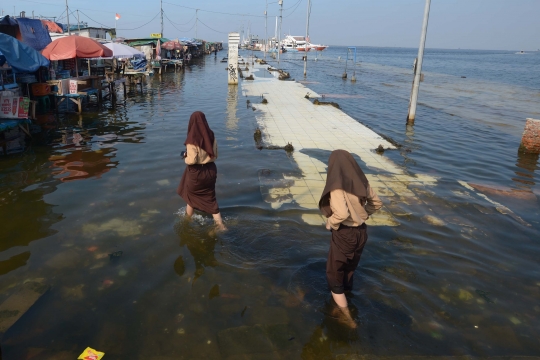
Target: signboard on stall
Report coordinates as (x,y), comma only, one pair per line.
(72,86)
(156,35)
(14,107)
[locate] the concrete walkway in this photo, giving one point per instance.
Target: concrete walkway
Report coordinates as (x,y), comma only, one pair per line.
(289,117)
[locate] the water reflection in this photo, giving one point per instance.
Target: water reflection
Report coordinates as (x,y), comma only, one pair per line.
(198,238)
(83,164)
(232,101)
(527,162)
(25,215)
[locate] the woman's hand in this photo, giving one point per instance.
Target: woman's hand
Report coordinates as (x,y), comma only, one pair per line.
(328,227)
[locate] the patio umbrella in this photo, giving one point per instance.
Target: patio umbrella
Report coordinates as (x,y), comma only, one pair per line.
(75,47)
(123,51)
(172,45)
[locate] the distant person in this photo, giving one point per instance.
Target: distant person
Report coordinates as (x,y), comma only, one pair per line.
(198,184)
(347,201)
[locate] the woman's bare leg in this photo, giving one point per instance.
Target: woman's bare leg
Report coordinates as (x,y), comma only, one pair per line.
(219,222)
(189,212)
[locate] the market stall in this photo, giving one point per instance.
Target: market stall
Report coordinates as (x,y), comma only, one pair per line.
(19,64)
(76,88)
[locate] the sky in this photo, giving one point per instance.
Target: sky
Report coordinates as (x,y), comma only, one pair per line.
(453,24)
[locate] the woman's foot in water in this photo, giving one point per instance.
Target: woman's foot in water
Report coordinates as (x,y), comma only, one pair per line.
(343,315)
(220,226)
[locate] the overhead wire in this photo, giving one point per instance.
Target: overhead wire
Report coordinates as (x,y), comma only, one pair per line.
(215,12)
(144,24)
(176,27)
(107,26)
(180,24)
(297,5)
(222,32)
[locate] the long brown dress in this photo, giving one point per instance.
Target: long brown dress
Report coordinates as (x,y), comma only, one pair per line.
(198,184)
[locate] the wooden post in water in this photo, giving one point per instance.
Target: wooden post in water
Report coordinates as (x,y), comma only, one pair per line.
(418,68)
(232,65)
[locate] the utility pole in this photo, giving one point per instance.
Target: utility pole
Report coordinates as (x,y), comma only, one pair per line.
(280,2)
(265,29)
(418,67)
(67,14)
(161,4)
(78,22)
(307,35)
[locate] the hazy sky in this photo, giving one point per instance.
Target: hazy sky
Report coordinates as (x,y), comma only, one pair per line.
(466,24)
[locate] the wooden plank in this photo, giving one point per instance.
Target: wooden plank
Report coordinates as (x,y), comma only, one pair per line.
(19,302)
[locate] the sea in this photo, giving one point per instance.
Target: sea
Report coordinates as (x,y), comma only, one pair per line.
(89,211)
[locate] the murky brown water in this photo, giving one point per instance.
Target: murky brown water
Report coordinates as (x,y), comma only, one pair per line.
(456,277)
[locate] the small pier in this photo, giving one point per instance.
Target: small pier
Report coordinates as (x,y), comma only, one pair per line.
(290,117)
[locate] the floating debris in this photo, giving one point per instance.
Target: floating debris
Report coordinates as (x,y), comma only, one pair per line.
(465,295)
(264,101)
(433,220)
(289,148)
(250,77)
(283,75)
(214,292)
(243,311)
(115,255)
(91,354)
(484,295)
(334,104)
(380,149)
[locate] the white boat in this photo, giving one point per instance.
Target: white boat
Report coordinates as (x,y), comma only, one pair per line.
(294,43)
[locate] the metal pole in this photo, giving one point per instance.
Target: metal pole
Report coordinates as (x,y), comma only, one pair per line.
(418,72)
(280,2)
(265,29)
(161,6)
(78,22)
(307,36)
(67,14)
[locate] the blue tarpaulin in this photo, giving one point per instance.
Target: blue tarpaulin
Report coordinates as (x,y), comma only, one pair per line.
(33,33)
(21,57)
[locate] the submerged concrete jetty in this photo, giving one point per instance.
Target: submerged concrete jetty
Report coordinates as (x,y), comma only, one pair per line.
(289,117)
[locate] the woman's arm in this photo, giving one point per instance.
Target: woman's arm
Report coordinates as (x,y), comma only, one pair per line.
(373,202)
(192,157)
(340,210)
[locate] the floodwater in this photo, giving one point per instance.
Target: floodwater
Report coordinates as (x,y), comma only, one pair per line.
(458,276)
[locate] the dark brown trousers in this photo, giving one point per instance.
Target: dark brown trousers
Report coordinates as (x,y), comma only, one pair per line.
(346,248)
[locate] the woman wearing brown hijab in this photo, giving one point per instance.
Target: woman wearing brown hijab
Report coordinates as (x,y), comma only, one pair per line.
(198,184)
(347,201)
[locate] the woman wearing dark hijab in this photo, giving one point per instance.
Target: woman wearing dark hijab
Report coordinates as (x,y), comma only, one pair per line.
(347,201)
(198,184)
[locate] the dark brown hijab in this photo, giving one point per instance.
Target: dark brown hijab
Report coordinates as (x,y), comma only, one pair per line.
(199,133)
(343,173)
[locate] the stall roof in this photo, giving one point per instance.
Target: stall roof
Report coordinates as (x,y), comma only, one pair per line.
(144,41)
(21,57)
(32,32)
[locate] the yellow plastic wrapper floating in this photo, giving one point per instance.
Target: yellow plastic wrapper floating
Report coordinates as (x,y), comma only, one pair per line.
(91,354)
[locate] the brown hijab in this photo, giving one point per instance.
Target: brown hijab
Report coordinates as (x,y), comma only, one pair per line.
(343,173)
(199,133)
